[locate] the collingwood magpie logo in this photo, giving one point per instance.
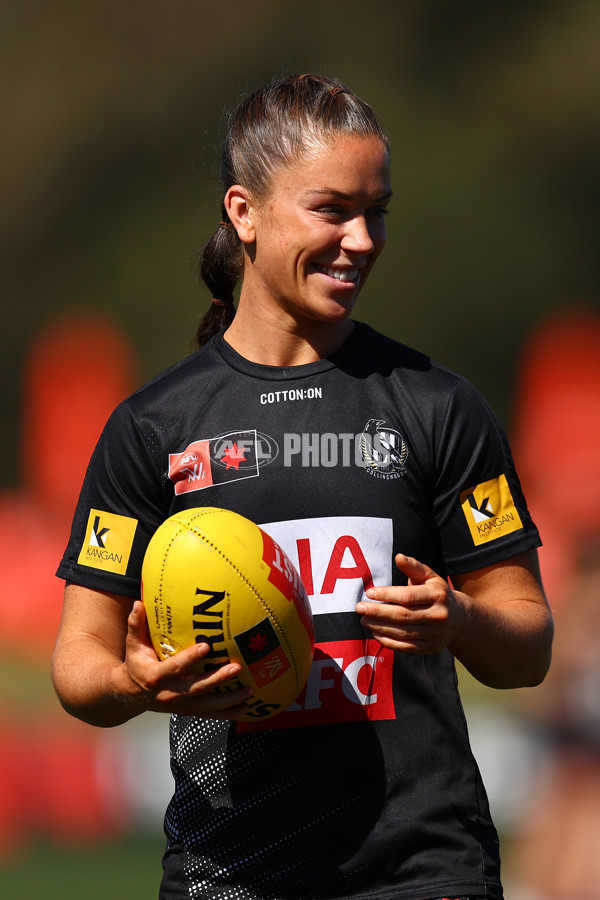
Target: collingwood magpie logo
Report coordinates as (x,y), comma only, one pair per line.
(383,450)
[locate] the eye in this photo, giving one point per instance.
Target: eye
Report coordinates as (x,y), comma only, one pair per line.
(377,213)
(331,211)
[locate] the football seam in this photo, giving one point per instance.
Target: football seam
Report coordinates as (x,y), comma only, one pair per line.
(163,563)
(240,574)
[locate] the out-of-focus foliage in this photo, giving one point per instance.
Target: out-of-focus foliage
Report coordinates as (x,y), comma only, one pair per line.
(113,113)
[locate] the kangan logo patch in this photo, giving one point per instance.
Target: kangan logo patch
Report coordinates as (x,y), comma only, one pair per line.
(490,510)
(108,541)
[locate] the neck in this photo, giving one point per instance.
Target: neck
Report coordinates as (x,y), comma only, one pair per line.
(275,341)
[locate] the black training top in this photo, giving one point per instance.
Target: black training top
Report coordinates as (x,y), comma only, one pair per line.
(366,786)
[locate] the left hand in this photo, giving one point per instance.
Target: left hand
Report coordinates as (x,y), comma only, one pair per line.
(422,617)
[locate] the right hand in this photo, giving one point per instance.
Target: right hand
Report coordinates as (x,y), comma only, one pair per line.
(171,685)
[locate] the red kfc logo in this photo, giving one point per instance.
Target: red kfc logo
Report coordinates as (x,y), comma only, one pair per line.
(349,681)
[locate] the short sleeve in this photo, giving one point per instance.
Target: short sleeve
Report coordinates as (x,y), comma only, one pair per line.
(479,508)
(121,504)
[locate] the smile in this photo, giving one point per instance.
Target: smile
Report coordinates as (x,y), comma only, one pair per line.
(338,274)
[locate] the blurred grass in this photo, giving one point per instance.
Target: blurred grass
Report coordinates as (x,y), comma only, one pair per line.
(128,869)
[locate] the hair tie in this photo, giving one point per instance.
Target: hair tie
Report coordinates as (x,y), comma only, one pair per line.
(218,302)
(334,91)
(223,224)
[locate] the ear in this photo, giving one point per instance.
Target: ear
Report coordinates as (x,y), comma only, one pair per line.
(238,204)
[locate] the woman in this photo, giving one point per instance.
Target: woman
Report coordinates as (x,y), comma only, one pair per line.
(355,448)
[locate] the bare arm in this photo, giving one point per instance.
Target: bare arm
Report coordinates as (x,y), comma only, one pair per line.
(105,670)
(496,621)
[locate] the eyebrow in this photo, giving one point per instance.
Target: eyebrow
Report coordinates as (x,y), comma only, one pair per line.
(333,192)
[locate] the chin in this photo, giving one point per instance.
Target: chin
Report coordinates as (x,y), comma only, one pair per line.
(338,308)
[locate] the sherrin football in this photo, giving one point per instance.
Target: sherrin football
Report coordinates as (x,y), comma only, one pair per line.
(211,575)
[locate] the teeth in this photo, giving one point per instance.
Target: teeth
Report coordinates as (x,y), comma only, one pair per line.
(339,274)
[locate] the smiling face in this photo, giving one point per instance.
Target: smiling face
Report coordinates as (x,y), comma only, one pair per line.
(313,241)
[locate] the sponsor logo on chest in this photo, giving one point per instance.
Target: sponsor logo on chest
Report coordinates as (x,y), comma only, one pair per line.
(338,558)
(349,681)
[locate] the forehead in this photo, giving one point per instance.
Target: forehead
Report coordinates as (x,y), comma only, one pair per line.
(349,164)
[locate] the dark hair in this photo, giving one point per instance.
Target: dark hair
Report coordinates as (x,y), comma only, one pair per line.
(275,127)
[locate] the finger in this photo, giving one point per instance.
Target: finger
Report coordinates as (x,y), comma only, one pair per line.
(399,598)
(205,693)
(404,631)
(410,647)
(179,674)
(176,663)
(386,604)
(183,661)
(223,678)
(409,636)
(417,572)
(207,704)
(137,624)
(169,681)
(410,597)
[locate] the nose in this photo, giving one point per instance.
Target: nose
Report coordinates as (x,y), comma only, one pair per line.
(358,237)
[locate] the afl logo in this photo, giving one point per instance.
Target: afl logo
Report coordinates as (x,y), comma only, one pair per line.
(254,449)
(383,450)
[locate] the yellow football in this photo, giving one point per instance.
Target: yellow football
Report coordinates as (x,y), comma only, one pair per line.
(211,575)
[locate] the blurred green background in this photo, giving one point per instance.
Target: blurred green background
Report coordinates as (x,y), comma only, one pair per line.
(113,115)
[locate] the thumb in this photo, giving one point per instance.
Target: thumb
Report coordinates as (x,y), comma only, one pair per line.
(137,624)
(416,572)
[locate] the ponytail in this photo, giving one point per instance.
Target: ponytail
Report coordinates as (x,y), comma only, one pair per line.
(220,269)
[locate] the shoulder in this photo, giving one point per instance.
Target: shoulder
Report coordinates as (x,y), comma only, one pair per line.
(177,379)
(164,403)
(390,357)
(435,400)
(387,348)
(172,395)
